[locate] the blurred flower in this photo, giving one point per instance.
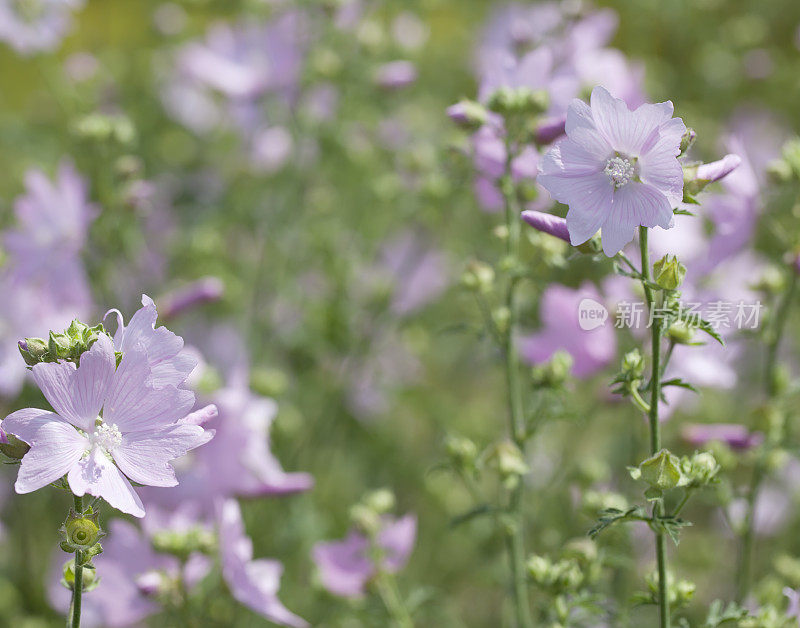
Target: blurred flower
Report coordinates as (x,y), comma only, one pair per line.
(396,75)
(794,603)
(31,26)
(732,434)
(204,290)
(591,350)
(140,430)
(617,169)
(346,566)
(254,583)
(81,66)
(409,31)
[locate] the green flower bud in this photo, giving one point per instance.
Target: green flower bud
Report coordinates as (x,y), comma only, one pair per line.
(681,332)
(81,532)
(669,272)
(509,101)
(633,364)
(184,543)
(468,114)
(365,519)
(380,501)
(478,276)
(507,459)
(462,451)
(701,468)
(12,446)
(539,568)
(687,140)
(33,350)
(662,471)
(554,372)
(89,579)
(501,317)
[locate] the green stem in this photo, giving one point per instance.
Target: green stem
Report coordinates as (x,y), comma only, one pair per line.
(744,568)
(387,589)
(77,590)
(655,427)
(515,543)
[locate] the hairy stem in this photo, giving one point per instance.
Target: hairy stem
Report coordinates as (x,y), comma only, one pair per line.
(744,567)
(77,590)
(655,427)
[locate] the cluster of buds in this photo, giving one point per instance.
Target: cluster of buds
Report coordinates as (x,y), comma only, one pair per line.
(519,101)
(664,471)
(184,543)
(101,127)
(462,452)
(366,514)
(679,592)
(553,373)
(507,459)
(579,566)
(478,276)
(68,345)
(630,374)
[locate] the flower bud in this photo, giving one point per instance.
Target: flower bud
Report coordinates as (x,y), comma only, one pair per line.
(12,446)
(461,451)
(554,372)
(539,568)
(633,364)
(184,543)
(478,276)
(681,332)
(468,114)
(507,459)
(687,140)
(33,350)
(380,501)
(521,100)
(501,317)
(81,532)
(662,471)
(547,223)
(701,468)
(89,580)
(669,272)
(365,519)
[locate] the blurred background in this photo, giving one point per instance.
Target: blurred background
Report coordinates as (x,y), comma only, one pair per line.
(295,158)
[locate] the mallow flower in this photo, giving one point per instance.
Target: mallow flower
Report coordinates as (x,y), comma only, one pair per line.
(110,424)
(617,169)
(346,566)
(254,583)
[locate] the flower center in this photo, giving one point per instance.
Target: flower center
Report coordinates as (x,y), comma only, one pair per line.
(620,170)
(107,436)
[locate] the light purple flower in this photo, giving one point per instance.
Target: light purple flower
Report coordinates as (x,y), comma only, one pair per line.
(396,75)
(794,603)
(345,567)
(201,291)
(547,223)
(139,432)
(734,435)
(254,583)
(168,362)
(36,26)
(616,169)
(591,350)
(716,170)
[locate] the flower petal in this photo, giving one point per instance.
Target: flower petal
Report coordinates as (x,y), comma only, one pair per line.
(144,456)
(634,204)
(628,132)
(56,447)
(589,200)
(77,394)
(98,476)
(134,404)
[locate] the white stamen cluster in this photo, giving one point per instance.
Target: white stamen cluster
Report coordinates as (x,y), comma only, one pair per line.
(107,436)
(620,170)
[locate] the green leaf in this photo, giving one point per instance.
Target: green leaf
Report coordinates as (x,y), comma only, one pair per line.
(473,513)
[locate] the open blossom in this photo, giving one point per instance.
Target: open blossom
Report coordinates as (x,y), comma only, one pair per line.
(591,350)
(110,424)
(254,583)
(616,169)
(345,566)
(31,26)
